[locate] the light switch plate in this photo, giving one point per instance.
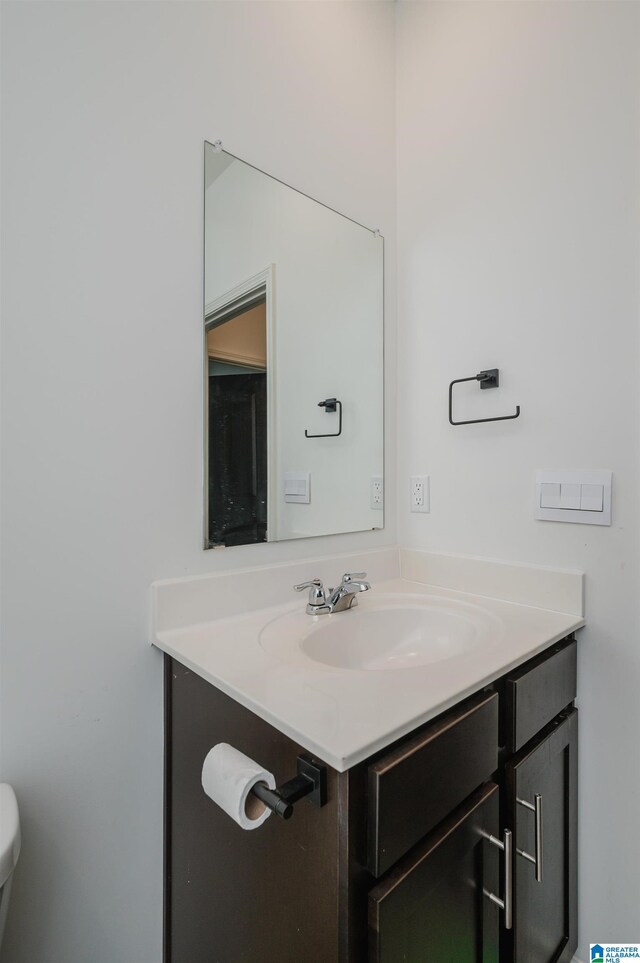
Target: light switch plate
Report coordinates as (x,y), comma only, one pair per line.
(297,487)
(574,496)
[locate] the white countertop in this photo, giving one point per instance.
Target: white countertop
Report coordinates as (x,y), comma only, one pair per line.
(343,716)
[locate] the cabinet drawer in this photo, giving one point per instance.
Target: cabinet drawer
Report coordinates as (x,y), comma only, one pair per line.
(417,784)
(536,693)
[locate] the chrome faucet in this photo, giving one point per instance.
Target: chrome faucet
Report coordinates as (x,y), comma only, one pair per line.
(345,596)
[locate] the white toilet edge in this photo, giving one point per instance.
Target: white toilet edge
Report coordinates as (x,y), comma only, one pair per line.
(10,839)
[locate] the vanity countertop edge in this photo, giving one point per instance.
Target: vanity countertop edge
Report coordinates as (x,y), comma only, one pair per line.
(344,716)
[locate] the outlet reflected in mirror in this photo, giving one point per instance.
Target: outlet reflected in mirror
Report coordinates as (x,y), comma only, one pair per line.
(293,362)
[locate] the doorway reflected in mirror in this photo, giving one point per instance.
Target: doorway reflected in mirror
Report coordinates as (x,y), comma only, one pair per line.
(237,396)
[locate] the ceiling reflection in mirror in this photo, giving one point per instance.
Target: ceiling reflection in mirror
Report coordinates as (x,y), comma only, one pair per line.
(293,362)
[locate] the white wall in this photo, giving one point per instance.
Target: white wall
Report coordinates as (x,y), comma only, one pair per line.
(106,109)
(327,341)
(518,233)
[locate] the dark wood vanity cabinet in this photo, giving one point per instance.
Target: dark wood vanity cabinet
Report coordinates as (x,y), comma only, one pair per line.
(404,862)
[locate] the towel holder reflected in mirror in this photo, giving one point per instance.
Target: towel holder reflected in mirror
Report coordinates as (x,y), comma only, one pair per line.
(329,405)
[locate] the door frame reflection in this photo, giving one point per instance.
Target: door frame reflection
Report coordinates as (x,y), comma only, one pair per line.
(255,289)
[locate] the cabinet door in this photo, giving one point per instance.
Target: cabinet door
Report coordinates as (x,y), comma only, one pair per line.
(432,905)
(545,917)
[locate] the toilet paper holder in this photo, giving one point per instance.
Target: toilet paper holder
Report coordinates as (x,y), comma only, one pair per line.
(311,781)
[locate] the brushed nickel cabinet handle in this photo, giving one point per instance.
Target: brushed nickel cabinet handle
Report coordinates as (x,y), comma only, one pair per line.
(506,904)
(537,859)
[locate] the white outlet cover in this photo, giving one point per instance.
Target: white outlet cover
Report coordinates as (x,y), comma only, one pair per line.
(376,499)
(422,480)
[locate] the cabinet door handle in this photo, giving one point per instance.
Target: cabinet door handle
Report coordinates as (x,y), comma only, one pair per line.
(537,859)
(505,904)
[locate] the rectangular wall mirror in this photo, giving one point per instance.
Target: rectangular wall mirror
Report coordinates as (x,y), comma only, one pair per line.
(293,336)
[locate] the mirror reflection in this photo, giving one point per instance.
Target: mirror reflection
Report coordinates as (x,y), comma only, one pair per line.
(293,362)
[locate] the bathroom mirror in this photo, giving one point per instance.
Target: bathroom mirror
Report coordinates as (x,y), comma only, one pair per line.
(293,336)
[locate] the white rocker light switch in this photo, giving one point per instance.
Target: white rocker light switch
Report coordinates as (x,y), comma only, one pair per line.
(574,496)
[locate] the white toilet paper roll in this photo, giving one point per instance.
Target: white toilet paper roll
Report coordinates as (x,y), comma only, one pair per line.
(228,777)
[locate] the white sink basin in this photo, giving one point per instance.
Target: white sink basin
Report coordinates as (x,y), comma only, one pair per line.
(384,632)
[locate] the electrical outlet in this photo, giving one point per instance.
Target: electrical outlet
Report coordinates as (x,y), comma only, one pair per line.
(419,494)
(377,492)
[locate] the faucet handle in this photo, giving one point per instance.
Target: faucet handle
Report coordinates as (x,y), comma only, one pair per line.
(313,583)
(354,576)
(316,591)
